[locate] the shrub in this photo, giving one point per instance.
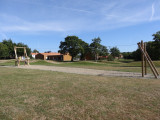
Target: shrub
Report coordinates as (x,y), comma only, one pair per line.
(110,58)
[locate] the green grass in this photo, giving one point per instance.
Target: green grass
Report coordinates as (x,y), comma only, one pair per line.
(35,94)
(119,65)
(7,62)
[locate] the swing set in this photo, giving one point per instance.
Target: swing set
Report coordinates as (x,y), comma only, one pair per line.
(20,59)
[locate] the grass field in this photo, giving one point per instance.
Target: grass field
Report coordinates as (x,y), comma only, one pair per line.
(35,94)
(121,65)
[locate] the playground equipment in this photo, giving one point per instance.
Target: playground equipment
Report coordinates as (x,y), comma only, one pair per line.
(146,59)
(19,59)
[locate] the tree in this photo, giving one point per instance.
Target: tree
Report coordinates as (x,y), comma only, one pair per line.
(153,49)
(85,50)
(48,51)
(103,51)
(35,51)
(71,45)
(3,51)
(156,36)
(156,44)
(10,45)
(136,55)
(127,55)
(95,47)
(110,58)
(115,52)
(20,52)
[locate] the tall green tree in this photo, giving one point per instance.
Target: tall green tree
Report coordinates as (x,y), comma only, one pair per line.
(103,51)
(115,52)
(35,51)
(156,36)
(156,44)
(71,45)
(136,55)
(20,52)
(85,50)
(3,51)
(127,55)
(10,45)
(95,47)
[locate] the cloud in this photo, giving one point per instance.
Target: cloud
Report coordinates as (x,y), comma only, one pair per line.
(12,23)
(153,11)
(83,15)
(33,27)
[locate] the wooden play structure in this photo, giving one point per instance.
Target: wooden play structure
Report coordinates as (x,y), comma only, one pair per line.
(19,59)
(146,59)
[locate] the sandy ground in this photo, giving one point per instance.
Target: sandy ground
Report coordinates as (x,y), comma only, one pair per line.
(85,71)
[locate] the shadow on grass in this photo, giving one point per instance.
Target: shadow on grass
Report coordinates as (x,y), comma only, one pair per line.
(3,65)
(126,61)
(129,66)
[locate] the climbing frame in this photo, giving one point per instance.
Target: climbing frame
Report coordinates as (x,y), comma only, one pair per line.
(18,59)
(146,59)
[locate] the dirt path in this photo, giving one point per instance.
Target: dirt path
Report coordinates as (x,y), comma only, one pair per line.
(85,71)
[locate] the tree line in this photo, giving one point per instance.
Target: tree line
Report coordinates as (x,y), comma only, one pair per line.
(76,46)
(7,49)
(152,47)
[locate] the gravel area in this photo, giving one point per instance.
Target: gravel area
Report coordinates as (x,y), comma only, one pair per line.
(85,71)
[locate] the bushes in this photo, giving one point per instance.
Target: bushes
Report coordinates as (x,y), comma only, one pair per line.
(110,58)
(3,51)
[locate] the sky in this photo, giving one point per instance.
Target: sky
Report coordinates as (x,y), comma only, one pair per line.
(42,24)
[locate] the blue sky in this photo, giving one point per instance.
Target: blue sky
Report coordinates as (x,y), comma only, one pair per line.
(42,24)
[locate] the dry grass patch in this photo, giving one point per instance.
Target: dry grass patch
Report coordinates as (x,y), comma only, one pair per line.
(35,94)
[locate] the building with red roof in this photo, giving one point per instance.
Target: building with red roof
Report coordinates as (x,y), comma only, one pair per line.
(53,56)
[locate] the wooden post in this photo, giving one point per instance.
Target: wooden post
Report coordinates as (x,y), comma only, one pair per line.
(15,52)
(142,57)
(28,61)
(15,62)
(24,53)
(150,64)
(18,62)
(145,64)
